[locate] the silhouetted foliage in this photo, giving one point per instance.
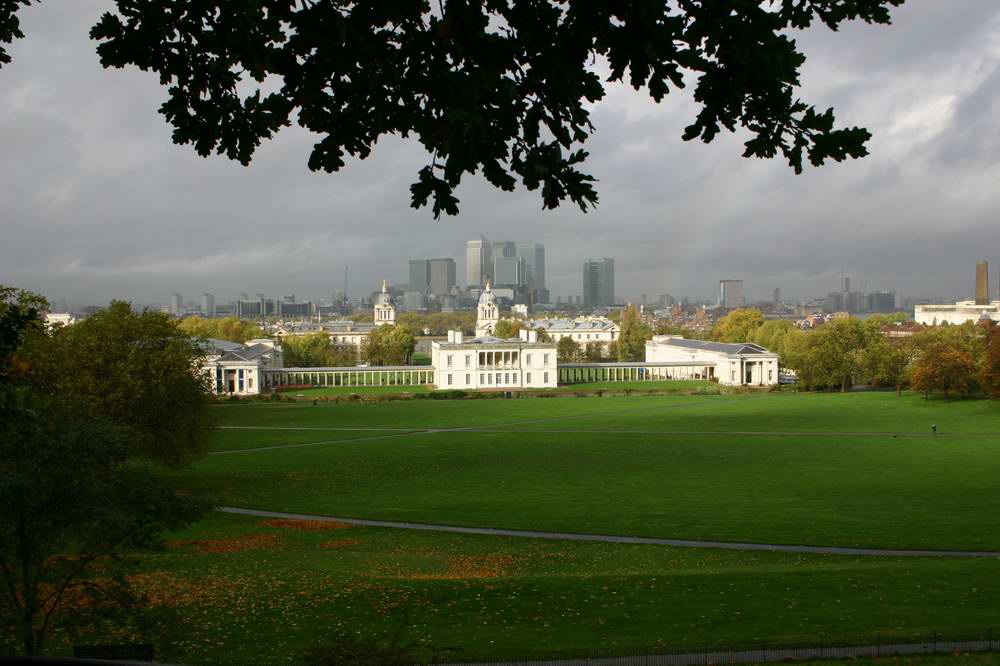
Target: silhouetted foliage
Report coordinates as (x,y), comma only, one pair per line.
(504,88)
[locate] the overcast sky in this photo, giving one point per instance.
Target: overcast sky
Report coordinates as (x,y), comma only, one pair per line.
(97,203)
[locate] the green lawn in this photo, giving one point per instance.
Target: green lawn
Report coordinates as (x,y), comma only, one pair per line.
(253,593)
(700,467)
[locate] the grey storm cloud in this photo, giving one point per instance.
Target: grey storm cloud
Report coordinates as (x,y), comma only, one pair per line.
(97,203)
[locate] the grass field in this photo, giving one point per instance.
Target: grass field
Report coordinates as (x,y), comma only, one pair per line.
(820,469)
(260,592)
(816,469)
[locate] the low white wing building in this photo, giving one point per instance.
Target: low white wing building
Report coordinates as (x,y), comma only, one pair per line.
(236,369)
(732,364)
(487,362)
(957,314)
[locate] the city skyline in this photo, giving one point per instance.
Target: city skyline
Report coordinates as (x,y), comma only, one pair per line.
(87,156)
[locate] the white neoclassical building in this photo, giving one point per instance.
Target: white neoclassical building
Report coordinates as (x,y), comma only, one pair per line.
(732,364)
(582,330)
(237,369)
(486,362)
(959,313)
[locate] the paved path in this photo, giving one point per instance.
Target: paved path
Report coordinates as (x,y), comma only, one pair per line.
(607,538)
(765,653)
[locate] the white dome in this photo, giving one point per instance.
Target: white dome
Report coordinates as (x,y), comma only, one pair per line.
(487,298)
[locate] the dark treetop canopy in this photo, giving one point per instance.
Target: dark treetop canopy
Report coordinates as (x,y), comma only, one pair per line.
(500,86)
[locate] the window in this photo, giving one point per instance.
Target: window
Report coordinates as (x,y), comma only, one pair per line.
(588,336)
(770,375)
(482,378)
(506,378)
(468,360)
(250,382)
(527,359)
(489,378)
(527,378)
(545,378)
(449,360)
(545,360)
(468,378)
(239,373)
(449,378)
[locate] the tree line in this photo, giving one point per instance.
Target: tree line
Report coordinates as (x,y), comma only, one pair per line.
(846,352)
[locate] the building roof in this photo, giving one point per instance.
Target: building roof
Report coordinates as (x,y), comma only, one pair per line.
(221,346)
(561,325)
(722,347)
(251,353)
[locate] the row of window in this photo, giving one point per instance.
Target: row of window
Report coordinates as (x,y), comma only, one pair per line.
(502,379)
(449,360)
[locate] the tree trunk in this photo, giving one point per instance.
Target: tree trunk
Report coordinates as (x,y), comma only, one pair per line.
(899,390)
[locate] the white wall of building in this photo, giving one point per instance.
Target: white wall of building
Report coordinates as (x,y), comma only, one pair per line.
(959,313)
(490,363)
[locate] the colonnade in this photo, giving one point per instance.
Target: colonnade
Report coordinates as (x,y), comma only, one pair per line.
(579,373)
(273,378)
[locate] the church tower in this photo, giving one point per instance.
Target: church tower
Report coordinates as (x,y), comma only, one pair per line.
(385,311)
(487,314)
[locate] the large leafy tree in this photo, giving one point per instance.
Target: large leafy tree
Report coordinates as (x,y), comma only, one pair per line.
(989,368)
(567,350)
(135,369)
(507,328)
(388,345)
(944,368)
(495,86)
(738,326)
(71,502)
(632,336)
(832,355)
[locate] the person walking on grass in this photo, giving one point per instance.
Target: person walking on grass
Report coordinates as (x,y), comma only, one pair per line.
(934,428)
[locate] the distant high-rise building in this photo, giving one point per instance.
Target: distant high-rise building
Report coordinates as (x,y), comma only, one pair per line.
(288,298)
(508,272)
(982,283)
(534,266)
(208,304)
(731,293)
(441,275)
(504,249)
(256,309)
(599,281)
(776,301)
(834,302)
(881,301)
(847,284)
(420,276)
(478,262)
(244,297)
(854,301)
(176,305)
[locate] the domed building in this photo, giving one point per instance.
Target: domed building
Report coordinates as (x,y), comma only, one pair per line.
(487,314)
(385,310)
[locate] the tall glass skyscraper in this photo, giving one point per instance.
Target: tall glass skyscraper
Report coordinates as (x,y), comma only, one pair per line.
(599,281)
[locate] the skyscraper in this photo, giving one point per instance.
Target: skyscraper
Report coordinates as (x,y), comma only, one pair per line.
(776,301)
(176,305)
(599,281)
(440,275)
(534,266)
(478,261)
(731,293)
(982,283)
(420,276)
(509,272)
(208,304)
